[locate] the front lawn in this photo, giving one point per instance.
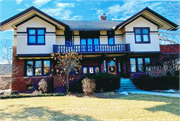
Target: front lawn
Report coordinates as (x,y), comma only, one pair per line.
(133,107)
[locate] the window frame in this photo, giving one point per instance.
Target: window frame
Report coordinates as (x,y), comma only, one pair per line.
(34,67)
(137,65)
(36,36)
(141,35)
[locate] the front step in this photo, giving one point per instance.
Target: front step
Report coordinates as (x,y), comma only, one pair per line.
(127,85)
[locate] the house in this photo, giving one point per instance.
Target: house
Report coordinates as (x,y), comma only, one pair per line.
(120,48)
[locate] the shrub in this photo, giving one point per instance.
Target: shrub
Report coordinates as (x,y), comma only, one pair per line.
(153,83)
(88,86)
(104,82)
(43,85)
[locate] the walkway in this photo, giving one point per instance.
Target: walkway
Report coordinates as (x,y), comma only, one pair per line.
(154,93)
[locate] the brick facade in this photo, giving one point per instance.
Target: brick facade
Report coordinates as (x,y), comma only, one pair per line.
(169,48)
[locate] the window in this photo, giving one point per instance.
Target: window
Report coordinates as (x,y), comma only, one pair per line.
(147,63)
(110,37)
(46,67)
(91,70)
(96,69)
(36,36)
(29,68)
(140,65)
(84,70)
(92,44)
(37,67)
(133,64)
(104,62)
(142,35)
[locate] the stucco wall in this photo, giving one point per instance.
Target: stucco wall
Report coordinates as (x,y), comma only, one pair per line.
(50,38)
(139,47)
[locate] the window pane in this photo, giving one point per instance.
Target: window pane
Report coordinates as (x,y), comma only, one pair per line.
(68,42)
(133,64)
(140,61)
(137,31)
(32,39)
(40,39)
(138,38)
(96,41)
(146,38)
(91,70)
(111,40)
(38,66)
(104,65)
(32,31)
(133,61)
(145,31)
(140,68)
(29,67)
(41,32)
(147,60)
(133,68)
(46,67)
(147,63)
(84,70)
(83,41)
(89,41)
(97,69)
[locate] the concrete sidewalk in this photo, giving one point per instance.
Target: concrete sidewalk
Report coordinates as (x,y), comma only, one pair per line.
(154,93)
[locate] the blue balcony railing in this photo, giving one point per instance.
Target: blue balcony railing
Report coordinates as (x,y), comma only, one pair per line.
(92,48)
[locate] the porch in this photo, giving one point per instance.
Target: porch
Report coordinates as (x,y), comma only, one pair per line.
(92,48)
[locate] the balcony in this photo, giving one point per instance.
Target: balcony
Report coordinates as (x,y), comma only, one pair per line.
(92,48)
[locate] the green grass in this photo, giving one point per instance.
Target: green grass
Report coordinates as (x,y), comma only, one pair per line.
(129,108)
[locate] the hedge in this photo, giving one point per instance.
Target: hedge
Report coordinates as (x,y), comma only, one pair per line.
(104,82)
(154,83)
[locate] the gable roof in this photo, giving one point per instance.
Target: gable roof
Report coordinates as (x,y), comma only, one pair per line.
(152,16)
(91,25)
(26,14)
(29,13)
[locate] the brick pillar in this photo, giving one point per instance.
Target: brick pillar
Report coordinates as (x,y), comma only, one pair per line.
(17,65)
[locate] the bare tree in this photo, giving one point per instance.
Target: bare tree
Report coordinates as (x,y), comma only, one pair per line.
(66,62)
(6,50)
(171,10)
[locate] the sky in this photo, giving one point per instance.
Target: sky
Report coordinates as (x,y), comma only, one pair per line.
(118,10)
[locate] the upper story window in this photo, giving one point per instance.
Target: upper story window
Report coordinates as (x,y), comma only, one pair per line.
(142,35)
(110,37)
(36,36)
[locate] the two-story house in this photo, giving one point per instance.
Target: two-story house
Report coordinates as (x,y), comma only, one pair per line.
(118,48)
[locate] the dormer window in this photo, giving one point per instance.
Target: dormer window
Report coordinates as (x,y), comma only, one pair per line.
(142,35)
(36,36)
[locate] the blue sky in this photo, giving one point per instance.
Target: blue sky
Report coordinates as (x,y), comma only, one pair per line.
(79,9)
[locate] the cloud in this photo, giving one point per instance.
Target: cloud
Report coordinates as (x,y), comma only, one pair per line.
(98,11)
(39,3)
(20,9)
(129,8)
(61,11)
(18,1)
(78,17)
(65,5)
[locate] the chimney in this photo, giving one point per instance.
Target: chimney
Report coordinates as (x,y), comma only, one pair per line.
(103,17)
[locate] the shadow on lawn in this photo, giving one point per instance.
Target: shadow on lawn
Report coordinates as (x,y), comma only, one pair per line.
(41,113)
(172,105)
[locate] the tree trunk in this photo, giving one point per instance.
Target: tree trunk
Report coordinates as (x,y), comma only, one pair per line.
(67,85)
